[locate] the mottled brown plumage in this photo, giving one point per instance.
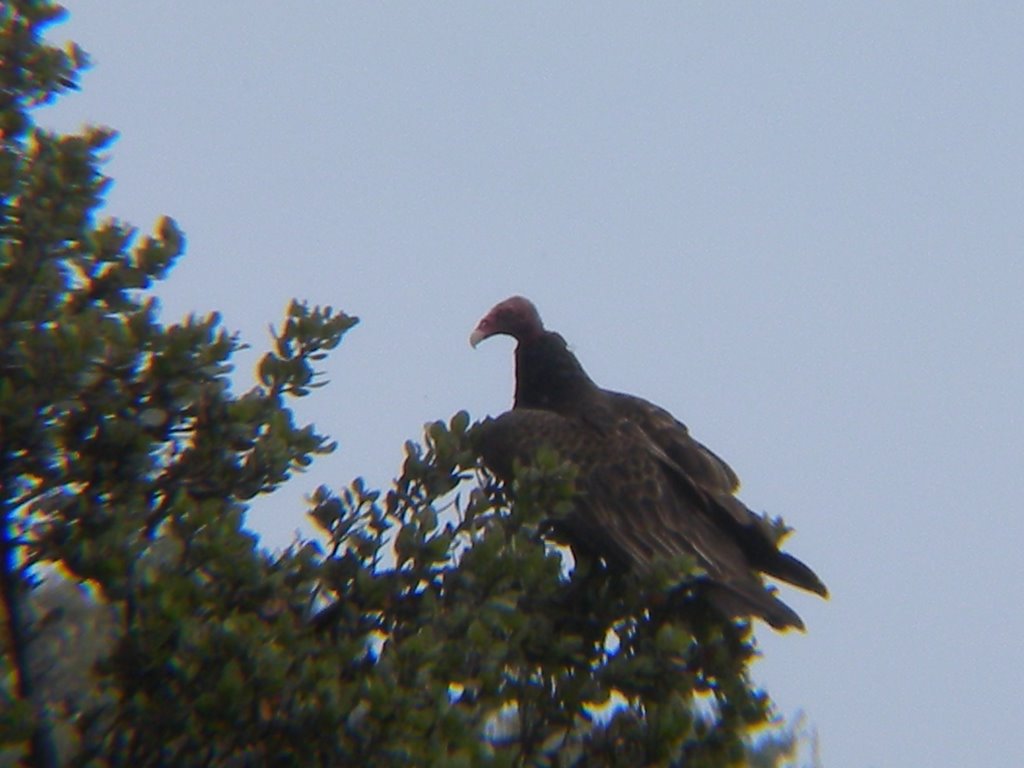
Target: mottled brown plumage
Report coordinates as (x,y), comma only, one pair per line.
(628,509)
(648,490)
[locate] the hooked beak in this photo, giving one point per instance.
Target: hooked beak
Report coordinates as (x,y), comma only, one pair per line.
(477,336)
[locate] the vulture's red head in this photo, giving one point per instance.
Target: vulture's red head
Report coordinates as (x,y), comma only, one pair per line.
(515,317)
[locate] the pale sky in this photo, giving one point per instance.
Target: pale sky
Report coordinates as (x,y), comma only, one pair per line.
(798,226)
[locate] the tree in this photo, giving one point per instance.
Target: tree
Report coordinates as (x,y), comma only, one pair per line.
(432,624)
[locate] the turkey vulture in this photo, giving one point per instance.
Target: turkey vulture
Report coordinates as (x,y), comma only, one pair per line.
(648,491)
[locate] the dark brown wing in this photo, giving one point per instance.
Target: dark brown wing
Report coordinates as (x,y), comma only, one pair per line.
(632,509)
(710,475)
(702,464)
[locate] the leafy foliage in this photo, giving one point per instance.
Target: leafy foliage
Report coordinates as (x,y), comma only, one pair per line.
(433,625)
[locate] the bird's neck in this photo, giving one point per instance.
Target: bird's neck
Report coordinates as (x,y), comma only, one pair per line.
(549,376)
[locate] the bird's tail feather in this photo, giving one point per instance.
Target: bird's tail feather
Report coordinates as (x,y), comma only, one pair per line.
(734,600)
(789,569)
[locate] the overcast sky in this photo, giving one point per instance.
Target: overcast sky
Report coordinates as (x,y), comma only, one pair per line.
(798,226)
